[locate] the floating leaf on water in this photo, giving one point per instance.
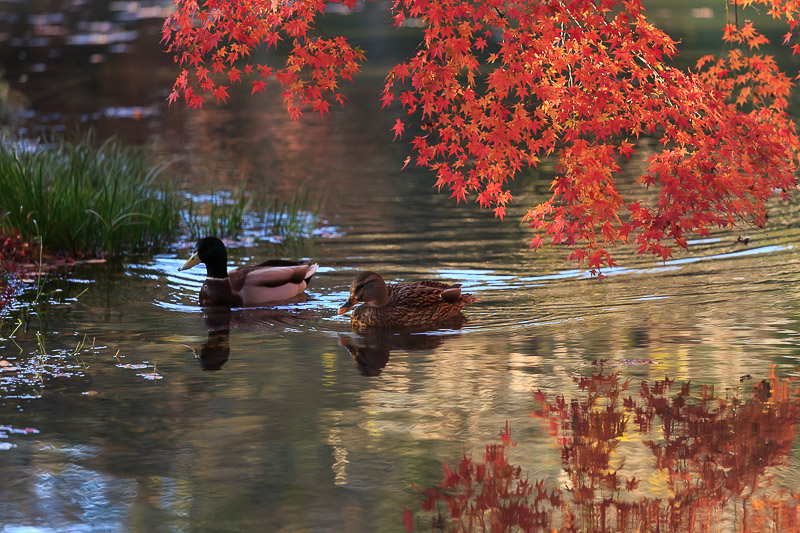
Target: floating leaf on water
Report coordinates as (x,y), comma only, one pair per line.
(151,375)
(24,431)
(136,366)
(638,362)
(90,393)
(6,445)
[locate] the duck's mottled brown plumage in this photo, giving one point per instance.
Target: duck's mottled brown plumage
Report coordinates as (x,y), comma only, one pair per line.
(421,305)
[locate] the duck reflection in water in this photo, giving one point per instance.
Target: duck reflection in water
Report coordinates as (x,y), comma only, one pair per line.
(370,350)
(215,352)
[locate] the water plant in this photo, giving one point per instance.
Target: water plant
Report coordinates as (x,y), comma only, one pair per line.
(267,215)
(294,218)
(221,214)
(109,199)
(29,370)
(82,198)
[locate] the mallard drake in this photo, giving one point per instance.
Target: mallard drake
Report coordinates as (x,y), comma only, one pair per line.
(422,305)
(272,281)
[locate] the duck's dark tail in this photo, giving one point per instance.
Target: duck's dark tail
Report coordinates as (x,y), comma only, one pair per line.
(312,269)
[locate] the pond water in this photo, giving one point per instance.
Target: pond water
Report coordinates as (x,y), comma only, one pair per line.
(120,411)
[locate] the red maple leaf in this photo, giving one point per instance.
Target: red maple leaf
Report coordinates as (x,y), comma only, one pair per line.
(398,128)
(258,86)
(221,93)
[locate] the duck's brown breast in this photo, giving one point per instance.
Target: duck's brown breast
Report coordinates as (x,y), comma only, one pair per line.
(218,292)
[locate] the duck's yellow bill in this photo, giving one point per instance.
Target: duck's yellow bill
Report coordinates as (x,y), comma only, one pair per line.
(193,260)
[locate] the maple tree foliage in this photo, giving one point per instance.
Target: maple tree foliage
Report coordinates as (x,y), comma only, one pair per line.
(497,85)
(213,41)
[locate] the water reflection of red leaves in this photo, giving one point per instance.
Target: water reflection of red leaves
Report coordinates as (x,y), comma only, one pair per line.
(713,450)
(489,495)
(408,519)
(719,448)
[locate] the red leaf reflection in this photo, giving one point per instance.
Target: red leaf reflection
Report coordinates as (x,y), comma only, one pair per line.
(714,453)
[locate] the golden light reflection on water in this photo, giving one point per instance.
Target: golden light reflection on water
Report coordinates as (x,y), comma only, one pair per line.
(339,466)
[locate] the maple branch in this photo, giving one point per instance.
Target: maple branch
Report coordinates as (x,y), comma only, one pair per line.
(575,78)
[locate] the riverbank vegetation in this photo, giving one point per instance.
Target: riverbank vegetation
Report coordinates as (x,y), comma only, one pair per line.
(108,199)
(86,199)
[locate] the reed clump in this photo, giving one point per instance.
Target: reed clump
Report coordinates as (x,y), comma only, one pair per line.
(83,198)
(264,215)
(221,214)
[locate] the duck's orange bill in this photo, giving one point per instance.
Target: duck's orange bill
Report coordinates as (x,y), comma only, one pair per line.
(348,305)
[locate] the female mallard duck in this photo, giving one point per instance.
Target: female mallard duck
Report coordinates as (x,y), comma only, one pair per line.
(424,304)
(248,286)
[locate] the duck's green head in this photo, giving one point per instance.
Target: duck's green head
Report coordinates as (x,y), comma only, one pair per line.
(210,251)
(369,288)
